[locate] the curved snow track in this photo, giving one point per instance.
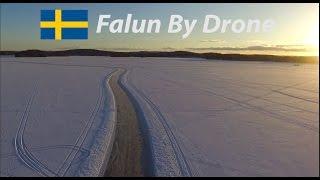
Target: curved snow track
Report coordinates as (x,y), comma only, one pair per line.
(21,149)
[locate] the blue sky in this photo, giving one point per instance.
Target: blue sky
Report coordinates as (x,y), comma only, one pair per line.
(296,25)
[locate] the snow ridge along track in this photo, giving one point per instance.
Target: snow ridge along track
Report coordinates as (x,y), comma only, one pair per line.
(80,140)
(95,164)
(168,157)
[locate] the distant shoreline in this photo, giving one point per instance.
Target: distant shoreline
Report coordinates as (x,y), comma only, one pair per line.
(176,54)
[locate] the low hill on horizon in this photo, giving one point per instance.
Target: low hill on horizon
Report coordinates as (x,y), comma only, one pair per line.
(177,54)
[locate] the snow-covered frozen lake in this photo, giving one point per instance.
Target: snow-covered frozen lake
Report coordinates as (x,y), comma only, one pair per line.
(204,118)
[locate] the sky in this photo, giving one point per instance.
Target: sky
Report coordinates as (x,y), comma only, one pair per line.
(296,30)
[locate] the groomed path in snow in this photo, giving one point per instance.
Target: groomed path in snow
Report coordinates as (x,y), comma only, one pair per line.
(202,118)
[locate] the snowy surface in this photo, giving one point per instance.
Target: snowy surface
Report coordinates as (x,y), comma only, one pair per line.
(55,119)
(233,118)
(204,118)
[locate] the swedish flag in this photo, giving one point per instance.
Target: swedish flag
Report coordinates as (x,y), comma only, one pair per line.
(64,24)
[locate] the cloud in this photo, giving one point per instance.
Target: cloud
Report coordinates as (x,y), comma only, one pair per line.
(289,45)
(67,48)
(250,48)
(212,41)
(256,41)
(127,49)
(168,48)
(274,48)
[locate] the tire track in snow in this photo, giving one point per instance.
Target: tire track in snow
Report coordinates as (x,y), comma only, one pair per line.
(180,157)
(246,104)
(256,97)
(45,148)
(21,149)
(293,96)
